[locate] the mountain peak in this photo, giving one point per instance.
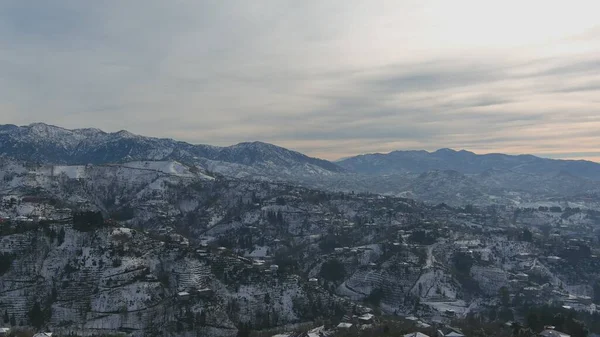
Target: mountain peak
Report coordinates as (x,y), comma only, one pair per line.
(43,127)
(445,150)
(124,134)
(256,144)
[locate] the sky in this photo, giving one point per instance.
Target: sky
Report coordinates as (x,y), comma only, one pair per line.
(329,78)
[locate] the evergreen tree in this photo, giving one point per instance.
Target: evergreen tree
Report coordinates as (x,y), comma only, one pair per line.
(61,236)
(504,296)
(527,235)
(36,316)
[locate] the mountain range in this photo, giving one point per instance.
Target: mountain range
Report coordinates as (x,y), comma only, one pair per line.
(442,176)
(465,162)
(45,144)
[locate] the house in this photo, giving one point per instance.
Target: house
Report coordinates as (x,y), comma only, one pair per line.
(316,332)
(550,332)
(4,332)
(423,325)
(274,268)
(412,318)
(416,334)
(523,256)
(183,296)
(366,319)
(344,325)
(450,332)
(522,277)
(43,334)
(584,300)
(205,292)
(531,291)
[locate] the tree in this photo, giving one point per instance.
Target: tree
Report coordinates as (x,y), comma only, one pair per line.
(576,328)
(533,321)
(463,263)
(13,321)
(558,321)
(6,260)
(516,328)
(504,296)
(243,330)
(493,314)
(61,236)
(506,314)
(6,318)
(87,221)
(375,297)
(597,292)
(36,316)
(333,270)
(527,235)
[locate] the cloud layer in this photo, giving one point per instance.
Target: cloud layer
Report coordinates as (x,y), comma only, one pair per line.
(328,78)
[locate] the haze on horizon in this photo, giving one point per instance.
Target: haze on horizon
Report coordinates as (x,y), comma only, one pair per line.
(328,78)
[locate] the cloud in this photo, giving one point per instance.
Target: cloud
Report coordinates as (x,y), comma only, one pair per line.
(331,78)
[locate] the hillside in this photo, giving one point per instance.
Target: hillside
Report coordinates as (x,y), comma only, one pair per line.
(164,229)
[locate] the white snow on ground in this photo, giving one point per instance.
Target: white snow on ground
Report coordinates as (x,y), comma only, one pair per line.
(122,231)
(169,167)
(259,251)
(73,172)
(459,307)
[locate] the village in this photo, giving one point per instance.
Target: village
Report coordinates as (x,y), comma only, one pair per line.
(352,260)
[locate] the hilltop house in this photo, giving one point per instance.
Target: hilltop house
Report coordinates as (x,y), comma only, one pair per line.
(450,332)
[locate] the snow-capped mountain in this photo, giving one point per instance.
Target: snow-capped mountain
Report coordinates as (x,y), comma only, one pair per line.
(44,143)
(465,162)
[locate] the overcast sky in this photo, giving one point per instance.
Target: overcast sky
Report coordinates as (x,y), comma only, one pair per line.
(328,78)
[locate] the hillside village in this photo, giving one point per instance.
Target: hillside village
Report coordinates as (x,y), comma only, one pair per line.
(147,247)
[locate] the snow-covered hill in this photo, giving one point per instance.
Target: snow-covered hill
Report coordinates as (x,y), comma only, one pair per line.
(171,228)
(49,144)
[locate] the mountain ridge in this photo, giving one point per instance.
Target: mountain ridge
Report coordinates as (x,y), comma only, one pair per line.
(40,142)
(395,173)
(419,161)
